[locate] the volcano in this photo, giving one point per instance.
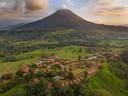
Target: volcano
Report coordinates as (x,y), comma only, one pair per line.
(66,19)
(61,18)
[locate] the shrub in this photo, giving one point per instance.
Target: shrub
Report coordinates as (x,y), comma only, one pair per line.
(38,89)
(2,54)
(6,76)
(63,91)
(19,74)
(124,56)
(6,86)
(40,74)
(33,65)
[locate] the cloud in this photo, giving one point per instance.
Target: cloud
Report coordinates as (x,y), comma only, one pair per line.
(99,11)
(110,8)
(113,12)
(66,4)
(2,4)
(36,4)
(22,7)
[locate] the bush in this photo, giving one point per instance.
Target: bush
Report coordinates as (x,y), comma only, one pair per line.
(6,86)
(63,91)
(2,54)
(33,65)
(124,56)
(6,76)
(19,74)
(38,89)
(40,74)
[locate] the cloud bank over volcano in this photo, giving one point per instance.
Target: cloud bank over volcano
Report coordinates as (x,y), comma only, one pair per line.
(22,6)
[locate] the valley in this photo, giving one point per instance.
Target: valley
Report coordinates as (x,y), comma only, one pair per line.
(85,64)
(64,55)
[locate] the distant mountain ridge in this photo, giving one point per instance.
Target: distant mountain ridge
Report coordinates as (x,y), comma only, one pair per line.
(66,19)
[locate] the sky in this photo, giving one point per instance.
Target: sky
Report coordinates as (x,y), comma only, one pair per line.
(110,12)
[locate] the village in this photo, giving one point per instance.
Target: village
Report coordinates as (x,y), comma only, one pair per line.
(67,72)
(64,72)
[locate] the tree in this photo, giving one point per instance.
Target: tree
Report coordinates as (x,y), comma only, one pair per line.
(79,58)
(4,87)
(40,74)
(80,50)
(29,76)
(19,73)
(71,76)
(38,89)
(33,65)
(124,56)
(81,90)
(6,76)
(85,74)
(62,91)
(2,54)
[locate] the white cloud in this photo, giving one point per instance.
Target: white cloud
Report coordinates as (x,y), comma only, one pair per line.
(36,4)
(22,6)
(66,4)
(110,8)
(3,4)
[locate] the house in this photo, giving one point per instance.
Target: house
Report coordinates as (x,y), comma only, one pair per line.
(91,71)
(113,56)
(98,65)
(92,58)
(50,85)
(25,69)
(57,78)
(62,67)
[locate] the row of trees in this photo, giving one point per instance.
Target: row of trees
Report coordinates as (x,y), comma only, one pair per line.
(40,89)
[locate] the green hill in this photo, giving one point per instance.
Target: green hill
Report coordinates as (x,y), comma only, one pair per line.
(109,81)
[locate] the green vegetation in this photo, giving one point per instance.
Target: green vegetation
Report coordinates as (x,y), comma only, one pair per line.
(106,83)
(16,91)
(114,43)
(69,53)
(111,80)
(65,57)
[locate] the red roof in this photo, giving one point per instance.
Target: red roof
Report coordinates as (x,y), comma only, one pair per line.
(25,68)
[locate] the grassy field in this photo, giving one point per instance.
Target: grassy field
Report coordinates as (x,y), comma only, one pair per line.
(105,83)
(115,43)
(71,52)
(19,90)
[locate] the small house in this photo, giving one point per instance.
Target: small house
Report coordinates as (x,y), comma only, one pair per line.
(25,68)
